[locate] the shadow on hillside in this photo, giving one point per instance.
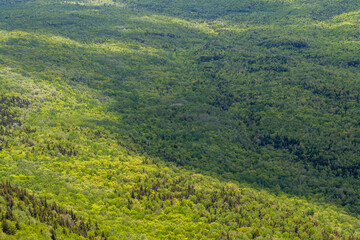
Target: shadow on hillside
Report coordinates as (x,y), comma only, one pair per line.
(116,50)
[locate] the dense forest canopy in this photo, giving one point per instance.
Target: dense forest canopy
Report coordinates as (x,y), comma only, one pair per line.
(140,112)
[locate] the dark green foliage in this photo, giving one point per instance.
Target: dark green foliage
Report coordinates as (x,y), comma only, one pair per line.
(40,209)
(8,113)
(53,234)
(7,228)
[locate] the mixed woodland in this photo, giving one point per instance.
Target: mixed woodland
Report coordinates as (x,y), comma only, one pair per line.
(154,119)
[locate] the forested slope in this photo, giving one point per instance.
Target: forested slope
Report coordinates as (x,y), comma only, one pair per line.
(88,186)
(113,108)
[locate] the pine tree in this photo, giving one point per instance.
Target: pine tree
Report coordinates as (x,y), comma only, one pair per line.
(53,234)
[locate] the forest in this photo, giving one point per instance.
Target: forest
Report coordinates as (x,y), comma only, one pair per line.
(153,119)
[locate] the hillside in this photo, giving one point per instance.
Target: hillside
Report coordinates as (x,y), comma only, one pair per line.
(52,147)
(198,120)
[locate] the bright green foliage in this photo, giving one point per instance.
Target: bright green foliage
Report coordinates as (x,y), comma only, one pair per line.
(112,108)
